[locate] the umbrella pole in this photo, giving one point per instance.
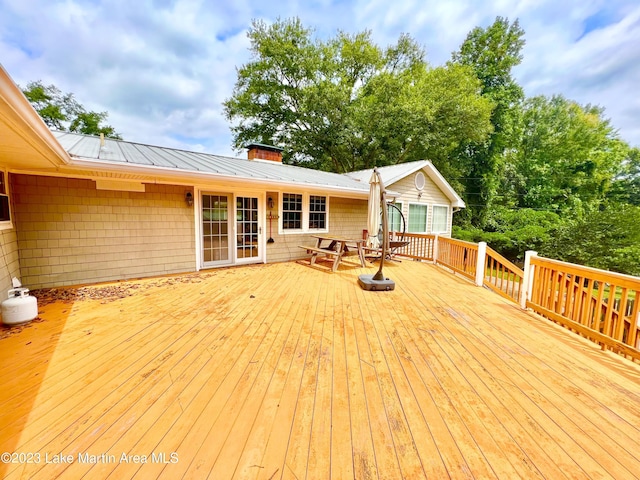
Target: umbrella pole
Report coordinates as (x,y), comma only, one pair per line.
(377,281)
(385,234)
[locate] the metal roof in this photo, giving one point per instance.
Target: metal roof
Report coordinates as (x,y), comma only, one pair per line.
(87,148)
(394,173)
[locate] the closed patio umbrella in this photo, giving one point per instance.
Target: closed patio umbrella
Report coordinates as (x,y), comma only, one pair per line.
(377,201)
(373,220)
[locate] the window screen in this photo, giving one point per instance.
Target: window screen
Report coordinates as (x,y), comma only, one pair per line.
(291,211)
(417,218)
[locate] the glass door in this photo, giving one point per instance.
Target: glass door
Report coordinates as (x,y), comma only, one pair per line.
(216,247)
(247,229)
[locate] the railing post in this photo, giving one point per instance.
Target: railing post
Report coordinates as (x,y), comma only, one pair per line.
(435,249)
(482,258)
(527,280)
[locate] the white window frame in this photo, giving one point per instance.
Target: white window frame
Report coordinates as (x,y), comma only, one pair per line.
(281,214)
(426,220)
(305,214)
(326,213)
(6,224)
(400,205)
(446,219)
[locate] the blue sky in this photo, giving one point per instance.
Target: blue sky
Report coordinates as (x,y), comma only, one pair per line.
(162,68)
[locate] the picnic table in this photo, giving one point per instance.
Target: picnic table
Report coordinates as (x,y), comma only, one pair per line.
(337,247)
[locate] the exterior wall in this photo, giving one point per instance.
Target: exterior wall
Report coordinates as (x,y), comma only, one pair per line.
(68,232)
(347,218)
(9,261)
(431,195)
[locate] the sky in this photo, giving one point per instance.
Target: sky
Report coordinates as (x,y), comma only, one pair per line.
(162,68)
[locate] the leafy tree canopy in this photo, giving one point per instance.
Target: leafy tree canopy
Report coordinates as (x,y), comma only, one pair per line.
(491,53)
(61,111)
(608,239)
(567,155)
(626,185)
(344,104)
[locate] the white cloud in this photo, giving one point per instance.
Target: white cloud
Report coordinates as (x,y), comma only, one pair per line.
(162,68)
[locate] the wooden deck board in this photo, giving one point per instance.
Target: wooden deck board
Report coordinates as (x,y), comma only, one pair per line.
(287,371)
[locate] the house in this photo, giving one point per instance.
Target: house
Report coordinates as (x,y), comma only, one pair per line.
(81,209)
(423,196)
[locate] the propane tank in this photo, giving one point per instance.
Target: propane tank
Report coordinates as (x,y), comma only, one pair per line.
(19,307)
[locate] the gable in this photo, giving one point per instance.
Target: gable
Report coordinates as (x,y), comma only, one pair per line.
(431,193)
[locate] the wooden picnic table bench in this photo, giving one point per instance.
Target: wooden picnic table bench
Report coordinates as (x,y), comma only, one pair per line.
(338,248)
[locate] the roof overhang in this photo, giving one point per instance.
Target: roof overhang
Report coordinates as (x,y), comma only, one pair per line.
(26,142)
(95,169)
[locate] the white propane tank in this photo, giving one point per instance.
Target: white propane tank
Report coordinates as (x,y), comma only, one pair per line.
(20,307)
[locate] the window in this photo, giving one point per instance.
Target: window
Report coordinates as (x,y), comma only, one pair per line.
(394,218)
(439,219)
(304,213)
(317,212)
(5,211)
(417,218)
(291,211)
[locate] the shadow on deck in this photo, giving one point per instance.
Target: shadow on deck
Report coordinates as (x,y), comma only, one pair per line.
(285,371)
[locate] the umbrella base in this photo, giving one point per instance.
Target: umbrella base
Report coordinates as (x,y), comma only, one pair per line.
(368,283)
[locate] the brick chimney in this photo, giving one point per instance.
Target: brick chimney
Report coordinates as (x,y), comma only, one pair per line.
(264,152)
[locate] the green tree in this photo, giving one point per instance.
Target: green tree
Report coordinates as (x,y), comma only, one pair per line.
(512,232)
(608,239)
(567,157)
(345,103)
(492,53)
(626,185)
(61,111)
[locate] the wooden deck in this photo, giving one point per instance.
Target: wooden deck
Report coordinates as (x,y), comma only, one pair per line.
(289,371)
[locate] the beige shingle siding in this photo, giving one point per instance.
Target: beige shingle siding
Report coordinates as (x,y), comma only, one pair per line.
(9,261)
(431,195)
(347,218)
(71,233)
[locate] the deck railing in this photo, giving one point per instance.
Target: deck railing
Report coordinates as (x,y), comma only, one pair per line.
(420,247)
(502,276)
(600,305)
(458,255)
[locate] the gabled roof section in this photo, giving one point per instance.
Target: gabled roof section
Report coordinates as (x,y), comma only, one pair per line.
(87,152)
(394,173)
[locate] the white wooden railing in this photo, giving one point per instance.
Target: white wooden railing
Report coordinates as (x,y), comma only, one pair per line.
(600,305)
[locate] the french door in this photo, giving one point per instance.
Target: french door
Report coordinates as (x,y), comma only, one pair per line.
(231,229)
(216,238)
(247,230)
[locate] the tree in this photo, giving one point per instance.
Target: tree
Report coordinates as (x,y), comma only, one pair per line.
(345,103)
(491,53)
(626,185)
(567,157)
(61,111)
(514,231)
(608,239)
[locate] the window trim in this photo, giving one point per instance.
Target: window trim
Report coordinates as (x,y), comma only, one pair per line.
(326,212)
(446,218)
(305,214)
(6,224)
(400,205)
(426,220)
(302,224)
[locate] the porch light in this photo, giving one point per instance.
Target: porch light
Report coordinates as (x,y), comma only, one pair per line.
(188,197)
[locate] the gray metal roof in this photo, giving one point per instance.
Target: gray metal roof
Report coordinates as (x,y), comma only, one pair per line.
(118,152)
(392,173)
